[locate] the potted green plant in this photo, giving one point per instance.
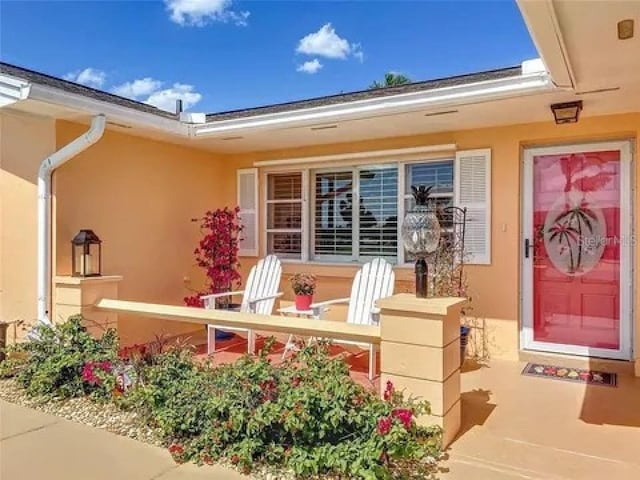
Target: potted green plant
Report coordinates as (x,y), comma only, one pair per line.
(304,286)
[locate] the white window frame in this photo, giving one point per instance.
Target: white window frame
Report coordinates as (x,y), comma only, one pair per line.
(304,238)
(345,260)
(308,199)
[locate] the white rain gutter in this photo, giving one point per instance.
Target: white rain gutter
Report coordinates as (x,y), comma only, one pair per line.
(13,90)
(48,165)
(530,83)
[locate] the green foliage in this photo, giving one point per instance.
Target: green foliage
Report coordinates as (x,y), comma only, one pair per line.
(306,414)
(391,79)
(55,362)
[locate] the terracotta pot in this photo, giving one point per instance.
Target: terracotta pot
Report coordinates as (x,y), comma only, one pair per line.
(303,302)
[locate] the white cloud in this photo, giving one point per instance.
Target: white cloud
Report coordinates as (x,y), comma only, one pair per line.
(90,77)
(310,67)
(138,88)
(149,90)
(166,99)
(200,12)
(327,43)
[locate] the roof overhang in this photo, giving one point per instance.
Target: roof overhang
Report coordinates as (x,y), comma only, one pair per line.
(529,83)
(542,23)
(12,90)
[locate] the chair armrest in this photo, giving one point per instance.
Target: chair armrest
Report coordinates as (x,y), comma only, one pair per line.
(329,302)
(253,301)
(218,295)
(321,307)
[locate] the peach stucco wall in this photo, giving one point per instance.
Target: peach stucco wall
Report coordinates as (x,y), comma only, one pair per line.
(494,288)
(138,195)
(25,140)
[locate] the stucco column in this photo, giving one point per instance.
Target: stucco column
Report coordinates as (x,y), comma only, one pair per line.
(420,354)
(77,296)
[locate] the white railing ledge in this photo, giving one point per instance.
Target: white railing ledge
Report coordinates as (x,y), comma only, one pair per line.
(272,323)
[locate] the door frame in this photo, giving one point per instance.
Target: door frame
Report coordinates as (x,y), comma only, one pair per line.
(627,200)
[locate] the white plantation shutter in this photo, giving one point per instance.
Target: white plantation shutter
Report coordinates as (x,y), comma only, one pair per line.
(473,192)
(248,203)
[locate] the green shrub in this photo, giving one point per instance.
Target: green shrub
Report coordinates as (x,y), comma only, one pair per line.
(306,414)
(59,363)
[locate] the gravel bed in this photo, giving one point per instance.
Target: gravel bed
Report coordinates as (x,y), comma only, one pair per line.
(106,416)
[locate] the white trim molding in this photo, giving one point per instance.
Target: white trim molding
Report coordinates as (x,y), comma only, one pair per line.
(369,155)
(483,91)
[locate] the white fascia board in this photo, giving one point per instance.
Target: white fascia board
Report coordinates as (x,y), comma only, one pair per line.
(92,106)
(441,97)
(13,90)
(542,22)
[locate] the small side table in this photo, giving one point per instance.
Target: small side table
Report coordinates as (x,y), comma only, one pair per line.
(292,311)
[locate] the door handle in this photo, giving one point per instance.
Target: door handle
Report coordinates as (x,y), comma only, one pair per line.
(527,245)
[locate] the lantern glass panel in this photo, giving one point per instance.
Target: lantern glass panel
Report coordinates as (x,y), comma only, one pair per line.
(421,232)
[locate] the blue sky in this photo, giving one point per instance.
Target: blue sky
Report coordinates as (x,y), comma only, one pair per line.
(227,54)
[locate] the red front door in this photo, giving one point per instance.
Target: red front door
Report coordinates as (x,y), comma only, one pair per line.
(576,249)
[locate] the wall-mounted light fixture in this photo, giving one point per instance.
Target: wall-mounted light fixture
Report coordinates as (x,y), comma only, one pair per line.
(625,29)
(566,112)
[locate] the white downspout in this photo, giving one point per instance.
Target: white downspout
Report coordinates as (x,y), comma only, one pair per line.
(48,165)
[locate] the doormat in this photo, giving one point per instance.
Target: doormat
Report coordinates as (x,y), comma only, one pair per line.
(591,377)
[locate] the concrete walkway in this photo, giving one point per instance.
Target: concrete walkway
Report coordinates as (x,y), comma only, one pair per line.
(513,428)
(35,445)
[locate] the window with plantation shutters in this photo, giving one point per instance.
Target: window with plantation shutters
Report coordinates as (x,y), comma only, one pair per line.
(284,214)
(248,204)
(378,213)
(355,213)
(473,192)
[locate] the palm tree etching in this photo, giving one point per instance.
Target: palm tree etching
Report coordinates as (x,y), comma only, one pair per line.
(569,226)
(563,232)
(577,217)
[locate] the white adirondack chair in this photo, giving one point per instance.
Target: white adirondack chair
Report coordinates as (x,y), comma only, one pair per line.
(372,282)
(258,296)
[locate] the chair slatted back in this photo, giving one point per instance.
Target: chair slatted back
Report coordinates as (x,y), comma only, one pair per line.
(264,279)
(372,282)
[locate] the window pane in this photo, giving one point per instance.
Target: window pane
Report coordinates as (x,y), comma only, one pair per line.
(284,245)
(333,213)
(439,174)
(284,186)
(378,209)
(284,212)
(287,215)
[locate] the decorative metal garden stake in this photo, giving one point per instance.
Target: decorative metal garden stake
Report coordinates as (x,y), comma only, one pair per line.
(421,236)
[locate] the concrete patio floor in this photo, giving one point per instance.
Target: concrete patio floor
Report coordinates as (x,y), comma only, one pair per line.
(518,427)
(514,427)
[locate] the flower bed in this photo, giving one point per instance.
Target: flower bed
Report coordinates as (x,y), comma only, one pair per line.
(305,416)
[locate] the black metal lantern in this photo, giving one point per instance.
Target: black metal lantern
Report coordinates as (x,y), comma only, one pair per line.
(421,235)
(86,254)
(568,112)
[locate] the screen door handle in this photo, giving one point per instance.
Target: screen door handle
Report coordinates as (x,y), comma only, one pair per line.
(527,245)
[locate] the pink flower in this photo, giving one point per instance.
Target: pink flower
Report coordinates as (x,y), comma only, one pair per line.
(388,392)
(405,416)
(89,371)
(384,425)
